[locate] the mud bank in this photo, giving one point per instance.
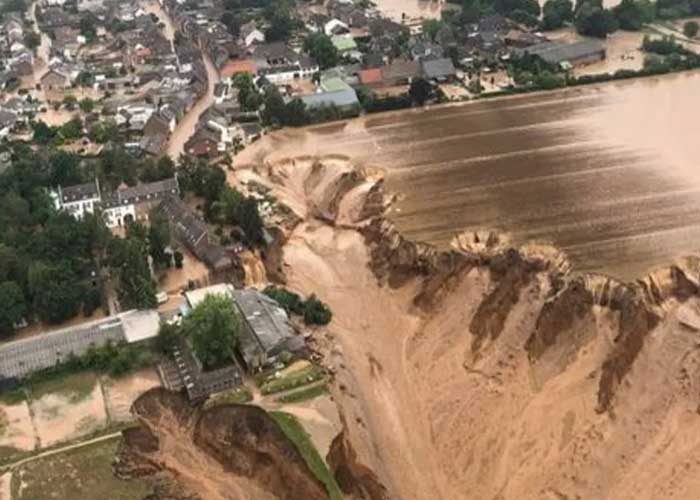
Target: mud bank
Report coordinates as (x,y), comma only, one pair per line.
(489,371)
(226,452)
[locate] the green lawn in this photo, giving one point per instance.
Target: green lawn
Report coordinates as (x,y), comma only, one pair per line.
(84,473)
(304,394)
(301,439)
(295,379)
(77,386)
(239,395)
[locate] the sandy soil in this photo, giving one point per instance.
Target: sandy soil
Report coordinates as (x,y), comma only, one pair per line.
(623,52)
(5,490)
(57,418)
(121,393)
(17,429)
(175,280)
(437,416)
(320,419)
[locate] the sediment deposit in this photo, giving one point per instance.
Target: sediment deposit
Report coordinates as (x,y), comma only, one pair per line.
(485,371)
(489,371)
(227,452)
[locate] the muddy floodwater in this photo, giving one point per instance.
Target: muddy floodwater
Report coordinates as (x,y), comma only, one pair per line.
(609,174)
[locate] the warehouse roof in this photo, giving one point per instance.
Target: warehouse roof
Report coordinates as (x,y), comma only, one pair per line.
(556,53)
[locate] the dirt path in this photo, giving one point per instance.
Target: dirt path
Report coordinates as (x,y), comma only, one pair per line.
(62,449)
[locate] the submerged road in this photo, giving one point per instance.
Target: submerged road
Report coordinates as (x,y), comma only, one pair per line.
(606,173)
(186,127)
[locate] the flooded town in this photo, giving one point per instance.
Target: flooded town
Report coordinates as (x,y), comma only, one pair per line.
(349,249)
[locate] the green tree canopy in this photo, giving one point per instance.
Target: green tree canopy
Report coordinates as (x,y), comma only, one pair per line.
(633,14)
(420,91)
(321,48)
(557,12)
(593,20)
(14,305)
(213,328)
(690,29)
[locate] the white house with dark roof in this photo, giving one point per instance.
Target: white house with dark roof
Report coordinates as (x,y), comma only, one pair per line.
(250,34)
(117,207)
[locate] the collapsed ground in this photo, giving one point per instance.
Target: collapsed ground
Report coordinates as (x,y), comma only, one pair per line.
(488,373)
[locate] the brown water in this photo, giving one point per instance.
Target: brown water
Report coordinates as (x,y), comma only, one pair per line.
(608,174)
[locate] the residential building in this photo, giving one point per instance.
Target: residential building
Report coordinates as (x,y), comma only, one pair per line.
(119,207)
(250,34)
(578,53)
(440,70)
(266,331)
(191,231)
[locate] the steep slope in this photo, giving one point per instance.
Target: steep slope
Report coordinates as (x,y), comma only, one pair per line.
(490,372)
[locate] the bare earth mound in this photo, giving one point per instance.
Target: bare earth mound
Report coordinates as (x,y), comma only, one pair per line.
(223,453)
(489,372)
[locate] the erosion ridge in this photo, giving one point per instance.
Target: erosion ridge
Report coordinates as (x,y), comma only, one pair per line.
(430,346)
(225,452)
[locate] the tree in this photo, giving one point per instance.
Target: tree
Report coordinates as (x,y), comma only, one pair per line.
(71,130)
(248,96)
(690,29)
(159,238)
(633,14)
(129,258)
(43,134)
(227,206)
(316,312)
(69,102)
(102,132)
(431,27)
(86,105)
(250,221)
(321,48)
(281,22)
(213,328)
(32,40)
(179,258)
(232,22)
(420,91)
(14,306)
(87,28)
(593,20)
(556,12)
(168,336)
(56,291)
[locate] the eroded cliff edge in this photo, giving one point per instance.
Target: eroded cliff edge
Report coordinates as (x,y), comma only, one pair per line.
(492,371)
(487,371)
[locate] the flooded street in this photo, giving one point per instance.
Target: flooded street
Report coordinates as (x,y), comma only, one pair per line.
(609,173)
(412,9)
(185,129)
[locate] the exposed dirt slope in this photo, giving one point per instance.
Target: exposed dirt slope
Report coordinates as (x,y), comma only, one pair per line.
(226,452)
(490,372)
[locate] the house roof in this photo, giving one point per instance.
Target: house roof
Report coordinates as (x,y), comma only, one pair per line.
(80,192)
(556,53)
(369,76)
(401,70)
(438,68)
(234,67)
(267,320)
(334,84)
(341,98)
(344,43)
(143,192)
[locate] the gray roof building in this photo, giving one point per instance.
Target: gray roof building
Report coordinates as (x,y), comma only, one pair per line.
(573,53)
(267,332)
(342,99)
(438,69)
(24,357)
